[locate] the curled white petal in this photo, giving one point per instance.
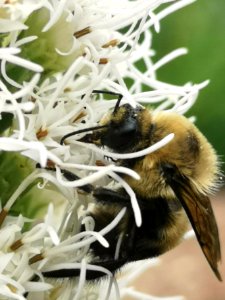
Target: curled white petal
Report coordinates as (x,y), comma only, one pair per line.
(133,199)
(93,177)
(23,63)
(140,153)
(78,266)
(118,169)
(82,277)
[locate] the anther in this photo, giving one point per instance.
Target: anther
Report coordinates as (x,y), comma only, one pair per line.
(82,32)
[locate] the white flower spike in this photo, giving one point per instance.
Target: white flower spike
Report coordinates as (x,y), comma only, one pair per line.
(53,55)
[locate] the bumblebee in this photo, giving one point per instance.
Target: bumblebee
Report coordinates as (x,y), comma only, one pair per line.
(176,181)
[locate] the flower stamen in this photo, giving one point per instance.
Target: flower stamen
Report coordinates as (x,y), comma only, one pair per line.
(112,43)
(41,133)
(50,164)
(3,215)
(82,32)
(103,61)
(16,245)
(99,163)
(12,288)
(10,1)
(80,115)
(36,258)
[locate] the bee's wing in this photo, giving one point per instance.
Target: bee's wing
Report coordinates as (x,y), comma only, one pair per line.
(200,213)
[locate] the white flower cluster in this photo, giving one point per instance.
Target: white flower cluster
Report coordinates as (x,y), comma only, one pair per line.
(53,54)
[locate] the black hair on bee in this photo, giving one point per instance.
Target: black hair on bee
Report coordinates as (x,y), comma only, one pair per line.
(176,181)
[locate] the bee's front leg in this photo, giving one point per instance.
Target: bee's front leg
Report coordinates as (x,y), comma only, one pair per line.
(103,195)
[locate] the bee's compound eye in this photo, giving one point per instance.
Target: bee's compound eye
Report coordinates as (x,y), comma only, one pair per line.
(121,136)
(127,129)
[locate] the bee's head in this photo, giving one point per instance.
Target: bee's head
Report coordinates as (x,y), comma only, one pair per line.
(122,130)
(125,129)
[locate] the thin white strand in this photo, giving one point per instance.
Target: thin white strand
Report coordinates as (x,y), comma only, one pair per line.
(185,103)
(25,40)
(6,77)
(56,15)
(46,86)
(168,58)
(17,273)
(155,21)
(90,112)
(167,11)
(38,233)
(74,243)
(160,92)
(153,82)
(138,33)
(23,63)
(67,117)
(110,283)
(118,22)
(118,246)
(164,106)
(117,88)
(156,99)
(201,85)
(104,73)
(25,106)
(8,50)
(117,289)
(11,144)
(70,51)
(126,93)
(65,191)
(115,168)
(82,279)
(133,199)
(130,30)
(93,177)
(74,68)
(26,90)
(77,266)
(174,7)
(67,243)
(114,223)
(22,187)
(140,153)
(17,110)
(37,286)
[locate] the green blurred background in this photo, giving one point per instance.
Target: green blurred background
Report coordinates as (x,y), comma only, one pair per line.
(200,27)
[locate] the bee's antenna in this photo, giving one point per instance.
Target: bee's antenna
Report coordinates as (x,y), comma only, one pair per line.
(81,131)
(120,96)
